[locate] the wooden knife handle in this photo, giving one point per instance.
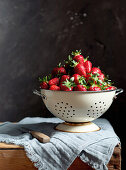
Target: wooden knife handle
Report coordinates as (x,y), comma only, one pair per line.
(40,136)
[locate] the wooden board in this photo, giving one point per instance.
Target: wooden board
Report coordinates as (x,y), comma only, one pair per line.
(10,146)
(13,157)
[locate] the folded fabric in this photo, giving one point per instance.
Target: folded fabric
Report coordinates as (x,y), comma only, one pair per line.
(94,148)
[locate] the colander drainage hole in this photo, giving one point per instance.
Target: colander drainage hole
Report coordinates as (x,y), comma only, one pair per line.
(88,110)
(68,110)
(96,107)
(58,113)
(73,110)
(61,107)
(64,110)
(66,103)
(55,109)
(97,110)
(60,110)
(57,103)
(100,102)
(62,102)
(71,106)
(95,103)
(67,113)
(91,106)
(73,114)
(65,107)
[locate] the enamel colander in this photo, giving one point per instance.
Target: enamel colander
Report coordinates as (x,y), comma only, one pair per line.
(78,108)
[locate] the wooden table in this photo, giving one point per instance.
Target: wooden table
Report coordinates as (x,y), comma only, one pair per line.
(13,157)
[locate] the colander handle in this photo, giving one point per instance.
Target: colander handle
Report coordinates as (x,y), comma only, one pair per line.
(37,92)
(118,91)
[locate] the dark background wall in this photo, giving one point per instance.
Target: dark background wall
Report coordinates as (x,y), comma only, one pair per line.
(36,34)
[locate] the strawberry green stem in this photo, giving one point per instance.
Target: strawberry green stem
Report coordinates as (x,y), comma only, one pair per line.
(59,65)
(85,59)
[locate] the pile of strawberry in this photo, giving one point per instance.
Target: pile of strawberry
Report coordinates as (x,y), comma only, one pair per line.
(76,75)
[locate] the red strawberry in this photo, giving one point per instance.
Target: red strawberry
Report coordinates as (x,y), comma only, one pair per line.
(101,76)
(75,78)
(94,88)
(78,57)
(88,66)
(88,76)
(80,88)
(92,79)
(58,70)
(80,69)
(111,88)
(95,70)
(55,71)
(66,86)
(54,87)
(54,81)
(64,78)
(44,85)
(44,82)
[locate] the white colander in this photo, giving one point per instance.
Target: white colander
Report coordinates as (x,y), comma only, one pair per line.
(78,107)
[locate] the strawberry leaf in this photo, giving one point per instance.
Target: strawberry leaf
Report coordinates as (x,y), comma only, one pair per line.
(76,53)
(68,60)
(40,80)
(85,59)
(49,77)
(68,83)
(82,80)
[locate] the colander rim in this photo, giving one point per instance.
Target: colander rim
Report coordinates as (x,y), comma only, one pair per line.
(82,91)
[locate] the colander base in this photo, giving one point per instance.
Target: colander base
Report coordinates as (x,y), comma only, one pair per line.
(77,128)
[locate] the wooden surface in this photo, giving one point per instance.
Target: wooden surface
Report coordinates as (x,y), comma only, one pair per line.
(13,157)
(115,162)
(10,146)
(79,165)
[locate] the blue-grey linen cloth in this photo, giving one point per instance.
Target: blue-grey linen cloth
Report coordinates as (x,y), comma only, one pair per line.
(94,148)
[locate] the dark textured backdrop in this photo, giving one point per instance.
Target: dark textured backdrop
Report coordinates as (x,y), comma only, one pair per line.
(37,34)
